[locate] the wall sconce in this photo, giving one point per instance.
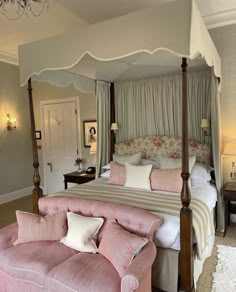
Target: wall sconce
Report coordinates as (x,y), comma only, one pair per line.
(205,125)
(114,128)
(230,149)
(11,123)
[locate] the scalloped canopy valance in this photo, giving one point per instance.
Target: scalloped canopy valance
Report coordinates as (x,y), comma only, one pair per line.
(146,43)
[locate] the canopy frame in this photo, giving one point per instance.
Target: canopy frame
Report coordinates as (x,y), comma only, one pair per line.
(189,47)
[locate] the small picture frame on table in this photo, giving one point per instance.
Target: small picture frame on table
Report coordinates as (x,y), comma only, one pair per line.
(90,132)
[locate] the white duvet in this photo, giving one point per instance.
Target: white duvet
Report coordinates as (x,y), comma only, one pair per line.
(168,235)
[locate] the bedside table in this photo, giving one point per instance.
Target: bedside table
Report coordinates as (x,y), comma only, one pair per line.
(78,177)
(229,195)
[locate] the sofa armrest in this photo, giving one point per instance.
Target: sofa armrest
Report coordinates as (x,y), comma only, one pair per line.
(8,235)
(139,268)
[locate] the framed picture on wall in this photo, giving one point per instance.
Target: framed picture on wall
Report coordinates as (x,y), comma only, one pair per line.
(90,132)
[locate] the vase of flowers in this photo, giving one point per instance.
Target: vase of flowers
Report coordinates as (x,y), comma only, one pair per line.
(78,162)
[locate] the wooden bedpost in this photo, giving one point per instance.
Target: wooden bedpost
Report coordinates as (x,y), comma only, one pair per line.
(186,248)
(37,191)
(113,119)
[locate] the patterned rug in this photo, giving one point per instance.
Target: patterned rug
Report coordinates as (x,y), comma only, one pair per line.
(224,279)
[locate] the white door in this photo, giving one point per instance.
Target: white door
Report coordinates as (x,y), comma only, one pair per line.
(60,136)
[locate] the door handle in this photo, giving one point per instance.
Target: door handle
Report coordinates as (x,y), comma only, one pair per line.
(50,164)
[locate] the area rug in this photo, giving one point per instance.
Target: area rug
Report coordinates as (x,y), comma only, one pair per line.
(224,279)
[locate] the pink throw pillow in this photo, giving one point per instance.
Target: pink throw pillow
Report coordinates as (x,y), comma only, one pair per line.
(120,247)
(32,227)
(118,174)
(166,180)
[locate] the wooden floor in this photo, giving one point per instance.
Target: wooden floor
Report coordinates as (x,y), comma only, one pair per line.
(7,216)
(8,210)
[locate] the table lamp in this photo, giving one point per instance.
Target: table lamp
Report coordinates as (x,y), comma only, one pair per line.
(230,150)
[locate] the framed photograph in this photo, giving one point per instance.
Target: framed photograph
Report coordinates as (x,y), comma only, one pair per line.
(90,132)
(38,135)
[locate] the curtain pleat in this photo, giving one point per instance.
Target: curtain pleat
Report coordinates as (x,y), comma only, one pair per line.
(216,147)
(153,106)
(103,124)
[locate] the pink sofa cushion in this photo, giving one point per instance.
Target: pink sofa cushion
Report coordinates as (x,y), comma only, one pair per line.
(84,272)
(166,180)
(33,227)
(120,246)
(32,261)
(118,174)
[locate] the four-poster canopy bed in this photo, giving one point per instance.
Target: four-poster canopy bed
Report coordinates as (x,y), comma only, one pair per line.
(140,45)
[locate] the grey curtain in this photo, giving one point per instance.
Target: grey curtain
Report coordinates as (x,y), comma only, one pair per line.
(153,106)
(216,147)
(103,124)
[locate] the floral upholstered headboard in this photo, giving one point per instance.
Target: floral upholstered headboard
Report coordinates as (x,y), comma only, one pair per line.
(168,146)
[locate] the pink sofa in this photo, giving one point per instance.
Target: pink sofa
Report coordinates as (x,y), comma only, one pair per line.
(51,266)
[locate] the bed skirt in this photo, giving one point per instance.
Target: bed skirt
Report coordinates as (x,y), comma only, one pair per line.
(165,267)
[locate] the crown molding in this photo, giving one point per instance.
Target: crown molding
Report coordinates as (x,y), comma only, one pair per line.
(222,18)
(9,58)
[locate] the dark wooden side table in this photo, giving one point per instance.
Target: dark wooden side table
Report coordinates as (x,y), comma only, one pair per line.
(78,177)
(229,196)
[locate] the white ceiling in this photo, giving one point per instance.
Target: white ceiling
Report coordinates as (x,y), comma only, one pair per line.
(67,15)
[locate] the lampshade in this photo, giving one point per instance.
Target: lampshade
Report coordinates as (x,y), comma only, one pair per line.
(93,148)
(114,127)
(205,123)
(230,149)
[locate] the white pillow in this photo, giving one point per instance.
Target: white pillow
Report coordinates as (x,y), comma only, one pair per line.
(200,174)
(155,164)
(131,159)
(169,163)
(138,176)
(106,173)
(81,232)
(107,166)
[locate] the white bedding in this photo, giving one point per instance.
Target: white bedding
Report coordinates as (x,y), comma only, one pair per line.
(168,235)
(159,203)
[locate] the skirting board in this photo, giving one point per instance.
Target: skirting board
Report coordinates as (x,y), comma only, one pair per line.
(5,198)
(15,195)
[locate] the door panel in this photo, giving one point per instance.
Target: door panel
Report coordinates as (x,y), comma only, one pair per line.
(60,131)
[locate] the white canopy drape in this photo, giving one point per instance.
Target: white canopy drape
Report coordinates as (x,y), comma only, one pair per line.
(133,46)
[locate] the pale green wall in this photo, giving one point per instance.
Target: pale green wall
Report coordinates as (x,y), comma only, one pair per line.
(15,146)
(87,105)
(225,42)
(16,169)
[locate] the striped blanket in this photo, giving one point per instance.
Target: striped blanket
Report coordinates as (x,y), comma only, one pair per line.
(153,201)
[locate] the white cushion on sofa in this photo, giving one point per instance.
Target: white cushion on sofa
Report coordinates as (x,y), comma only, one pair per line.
(81,232)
